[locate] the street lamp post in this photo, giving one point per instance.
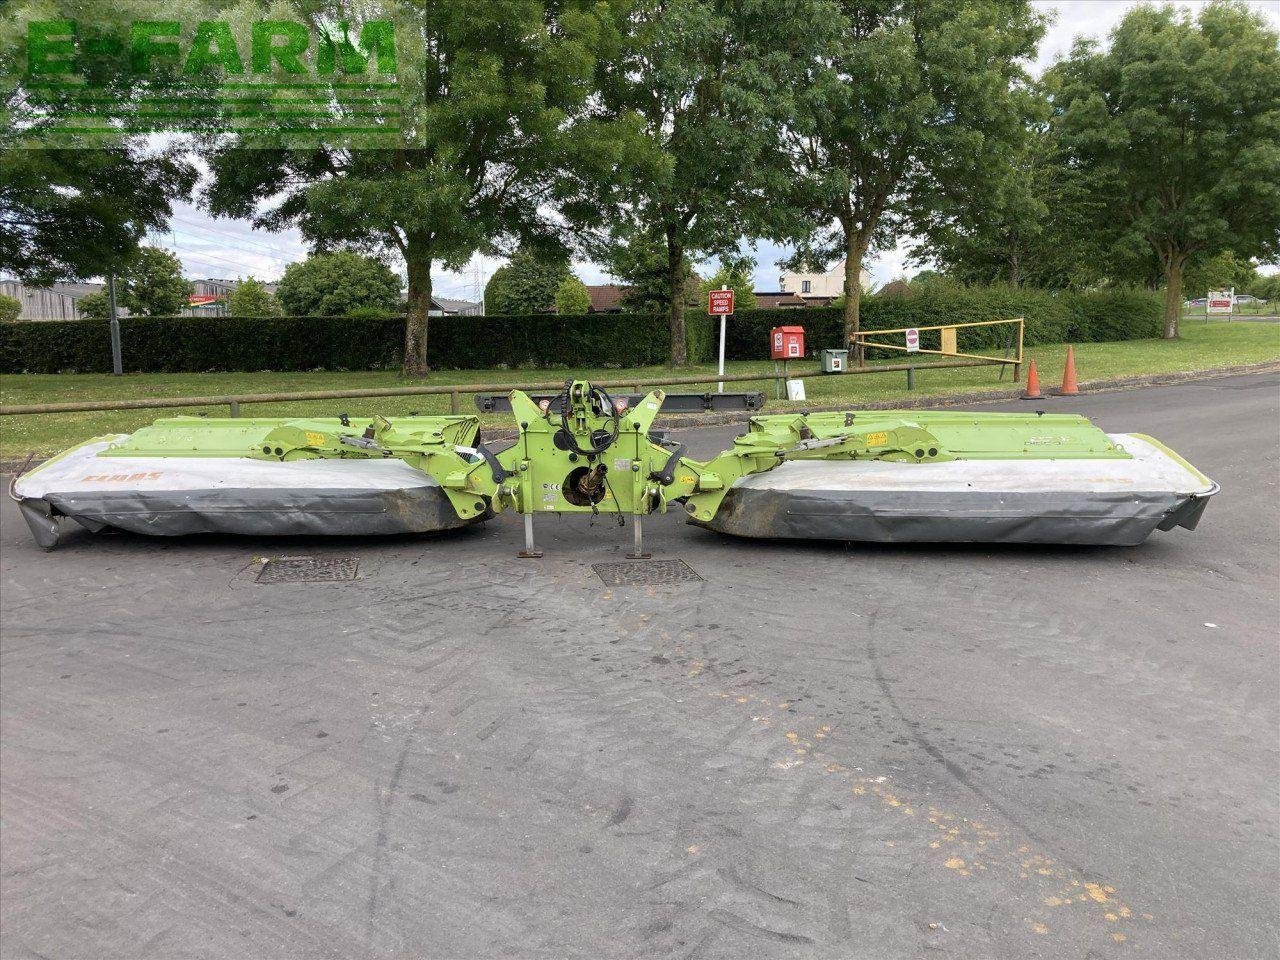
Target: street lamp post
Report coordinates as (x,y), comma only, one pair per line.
(117,367)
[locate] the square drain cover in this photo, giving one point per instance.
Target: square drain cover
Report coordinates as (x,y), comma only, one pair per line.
(646,572)
(307,570)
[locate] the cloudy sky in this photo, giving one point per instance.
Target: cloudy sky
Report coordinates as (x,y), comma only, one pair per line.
(230,248)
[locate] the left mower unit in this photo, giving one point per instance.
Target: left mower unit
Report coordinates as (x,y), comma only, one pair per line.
(265,477)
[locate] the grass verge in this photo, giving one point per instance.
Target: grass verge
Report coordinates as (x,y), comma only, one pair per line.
(1202,347)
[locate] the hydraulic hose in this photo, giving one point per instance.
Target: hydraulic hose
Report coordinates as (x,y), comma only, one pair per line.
(594,449)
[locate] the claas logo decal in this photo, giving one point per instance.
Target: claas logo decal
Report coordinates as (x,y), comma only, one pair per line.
(121,477)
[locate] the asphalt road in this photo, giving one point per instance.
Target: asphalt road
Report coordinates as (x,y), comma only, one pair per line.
(818,751)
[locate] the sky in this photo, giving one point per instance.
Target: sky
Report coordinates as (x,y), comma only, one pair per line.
(211,247)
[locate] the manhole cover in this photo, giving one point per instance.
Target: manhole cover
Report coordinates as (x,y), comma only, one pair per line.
(307,570)
(646,572)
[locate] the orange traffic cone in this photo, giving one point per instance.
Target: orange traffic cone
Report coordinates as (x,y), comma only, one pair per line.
(1032,392)
(1069,388)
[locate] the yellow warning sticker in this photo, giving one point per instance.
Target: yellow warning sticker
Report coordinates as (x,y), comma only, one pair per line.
(315,439)
(877,439)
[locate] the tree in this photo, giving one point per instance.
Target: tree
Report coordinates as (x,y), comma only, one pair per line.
(736,273)
(1267,288)
(1176,125)
(94,306)
(931,280)
(81,209)
(572,298)
(334,284)
(486,92)
(151,284)
(641,267)
(73,214)
(251,298)
(1029,222)
(1221,272)
(10,308)
(527,283)
(907,101)
(697,94)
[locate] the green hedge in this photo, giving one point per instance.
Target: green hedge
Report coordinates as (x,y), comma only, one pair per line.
(179,344)
(1052,317)
(184,344)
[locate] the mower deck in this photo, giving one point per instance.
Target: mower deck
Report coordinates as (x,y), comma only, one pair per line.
(1113,502)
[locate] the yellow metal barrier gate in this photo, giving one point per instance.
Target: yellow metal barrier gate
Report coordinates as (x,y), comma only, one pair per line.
(947,339)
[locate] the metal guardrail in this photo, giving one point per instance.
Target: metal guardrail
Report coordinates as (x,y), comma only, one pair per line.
(454,391)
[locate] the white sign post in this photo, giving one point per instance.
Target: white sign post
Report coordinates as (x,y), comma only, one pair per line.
(1221,301)
(913,340)
(720,303)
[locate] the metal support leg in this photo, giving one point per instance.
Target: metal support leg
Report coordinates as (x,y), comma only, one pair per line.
(637,524)
(529,553)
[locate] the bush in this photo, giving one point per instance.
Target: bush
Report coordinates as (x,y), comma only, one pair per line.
(526,284)
(251,298)
(10,308)
(94,306)
(173,344)
(334,284)
(572,296)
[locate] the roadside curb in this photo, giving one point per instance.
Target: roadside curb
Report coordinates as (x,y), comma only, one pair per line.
(691,420)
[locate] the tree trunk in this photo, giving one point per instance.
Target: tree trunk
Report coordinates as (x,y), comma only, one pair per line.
(1173,294)
(856,250)
(418,263)
(1015,265)
(675,308)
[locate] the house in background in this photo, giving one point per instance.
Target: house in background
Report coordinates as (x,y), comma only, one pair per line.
(826,285)
(800,289)
(56,302)
(776,299)
(446,307)
(606,297)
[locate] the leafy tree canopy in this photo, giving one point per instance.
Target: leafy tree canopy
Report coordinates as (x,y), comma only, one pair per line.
(334,284)
(487,92)
(251,298)
(641,266)
(908,101)
(1028,222)
(1176,124)
(1266,287)
(73,214)
(151,284)
(527,283)
(697,94)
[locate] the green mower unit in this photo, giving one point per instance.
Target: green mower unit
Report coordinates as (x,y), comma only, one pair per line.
(890,476)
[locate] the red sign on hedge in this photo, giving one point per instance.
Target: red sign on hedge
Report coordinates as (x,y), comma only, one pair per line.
(720,302)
